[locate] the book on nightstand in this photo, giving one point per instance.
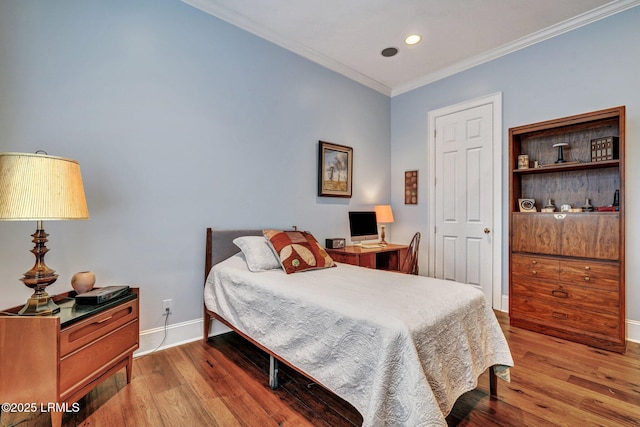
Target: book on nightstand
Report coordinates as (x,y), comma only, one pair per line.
(102,295)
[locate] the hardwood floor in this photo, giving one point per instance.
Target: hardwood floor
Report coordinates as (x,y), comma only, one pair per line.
(224,383)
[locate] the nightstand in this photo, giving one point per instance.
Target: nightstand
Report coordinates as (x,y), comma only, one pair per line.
(58,359)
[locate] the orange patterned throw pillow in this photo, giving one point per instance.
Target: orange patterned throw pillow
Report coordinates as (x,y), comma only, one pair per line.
(298,250)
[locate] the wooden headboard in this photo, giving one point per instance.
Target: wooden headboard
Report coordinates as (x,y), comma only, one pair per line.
(220,246)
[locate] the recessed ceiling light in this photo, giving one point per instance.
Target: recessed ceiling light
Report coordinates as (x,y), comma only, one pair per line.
(389,51)
(413,39)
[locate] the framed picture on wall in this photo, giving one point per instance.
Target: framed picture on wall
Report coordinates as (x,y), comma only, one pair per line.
(335,170)
(411,188)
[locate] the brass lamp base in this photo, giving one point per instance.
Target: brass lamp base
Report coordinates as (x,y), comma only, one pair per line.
(382,236)
(39,304)
(38,278)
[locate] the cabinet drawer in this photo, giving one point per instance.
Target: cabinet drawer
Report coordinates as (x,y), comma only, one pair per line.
(532,267)
(88,363)
(86,331)
(565,317)
(594,274)
(582,298)
(342,257)
(367,260)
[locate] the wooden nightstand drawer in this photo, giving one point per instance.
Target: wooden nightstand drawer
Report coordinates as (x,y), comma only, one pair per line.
(565,317)
(600,275)
(87,363)
(86,331)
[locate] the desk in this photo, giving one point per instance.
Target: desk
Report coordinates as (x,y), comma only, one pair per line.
(388,257)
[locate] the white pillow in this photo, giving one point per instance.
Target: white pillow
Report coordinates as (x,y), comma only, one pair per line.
(258,253)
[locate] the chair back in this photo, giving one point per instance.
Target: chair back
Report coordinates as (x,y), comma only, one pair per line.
(410,264)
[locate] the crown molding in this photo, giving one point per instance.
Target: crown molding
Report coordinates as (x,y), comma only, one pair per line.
(248,25)
(537,37)
(252,27)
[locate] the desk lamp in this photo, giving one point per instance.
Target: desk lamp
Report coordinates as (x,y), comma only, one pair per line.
(39,187)
(384,215)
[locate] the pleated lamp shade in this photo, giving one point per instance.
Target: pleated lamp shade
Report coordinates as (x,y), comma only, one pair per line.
(40,187)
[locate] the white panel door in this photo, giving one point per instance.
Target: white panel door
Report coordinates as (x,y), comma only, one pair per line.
(464,197)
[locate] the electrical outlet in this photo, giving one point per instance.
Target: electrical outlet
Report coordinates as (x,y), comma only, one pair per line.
(167,306)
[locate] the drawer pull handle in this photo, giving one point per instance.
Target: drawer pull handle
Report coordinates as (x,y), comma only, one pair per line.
(586,279)
(560,217)
(534,272)
(105,319)
(560,293)
(587,268)
(534,262)
(557,315)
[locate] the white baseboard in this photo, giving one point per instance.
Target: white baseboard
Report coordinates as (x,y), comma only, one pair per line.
(177,334)
(633,330)
(185,332)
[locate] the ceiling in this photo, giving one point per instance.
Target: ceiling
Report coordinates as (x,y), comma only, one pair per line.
(347,36)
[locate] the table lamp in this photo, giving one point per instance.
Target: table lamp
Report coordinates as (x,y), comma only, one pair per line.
(384,215)
(38,187)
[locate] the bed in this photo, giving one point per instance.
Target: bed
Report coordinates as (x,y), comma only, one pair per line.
(400,348)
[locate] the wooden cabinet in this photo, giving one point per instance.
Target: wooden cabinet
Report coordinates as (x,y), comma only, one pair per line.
(57,359)
(566,269)
(388,257)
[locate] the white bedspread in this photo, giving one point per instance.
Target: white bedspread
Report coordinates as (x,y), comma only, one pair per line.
(400,348)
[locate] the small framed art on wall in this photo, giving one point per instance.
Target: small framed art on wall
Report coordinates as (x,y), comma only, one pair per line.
(411,187)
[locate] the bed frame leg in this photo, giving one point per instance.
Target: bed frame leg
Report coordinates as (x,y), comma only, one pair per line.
(493,384)
(273,372)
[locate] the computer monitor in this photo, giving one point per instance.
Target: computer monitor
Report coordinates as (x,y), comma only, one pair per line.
(363,226)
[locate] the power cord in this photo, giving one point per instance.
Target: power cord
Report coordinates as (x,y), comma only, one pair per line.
(166,314)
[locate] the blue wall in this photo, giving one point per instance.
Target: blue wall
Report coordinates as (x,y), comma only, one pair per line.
(179,121)
(591,68)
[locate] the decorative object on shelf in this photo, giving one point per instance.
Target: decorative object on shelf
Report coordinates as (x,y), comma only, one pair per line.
(83,281)
(384,215)
(549,207)
(335,170)
(39,187)
(604,148)
(527,205)
(616,200)
(560,146)
(565,208)
(523,161)
(411,187)
(587,207)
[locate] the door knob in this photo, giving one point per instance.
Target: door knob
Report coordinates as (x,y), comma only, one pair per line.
(487,231)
